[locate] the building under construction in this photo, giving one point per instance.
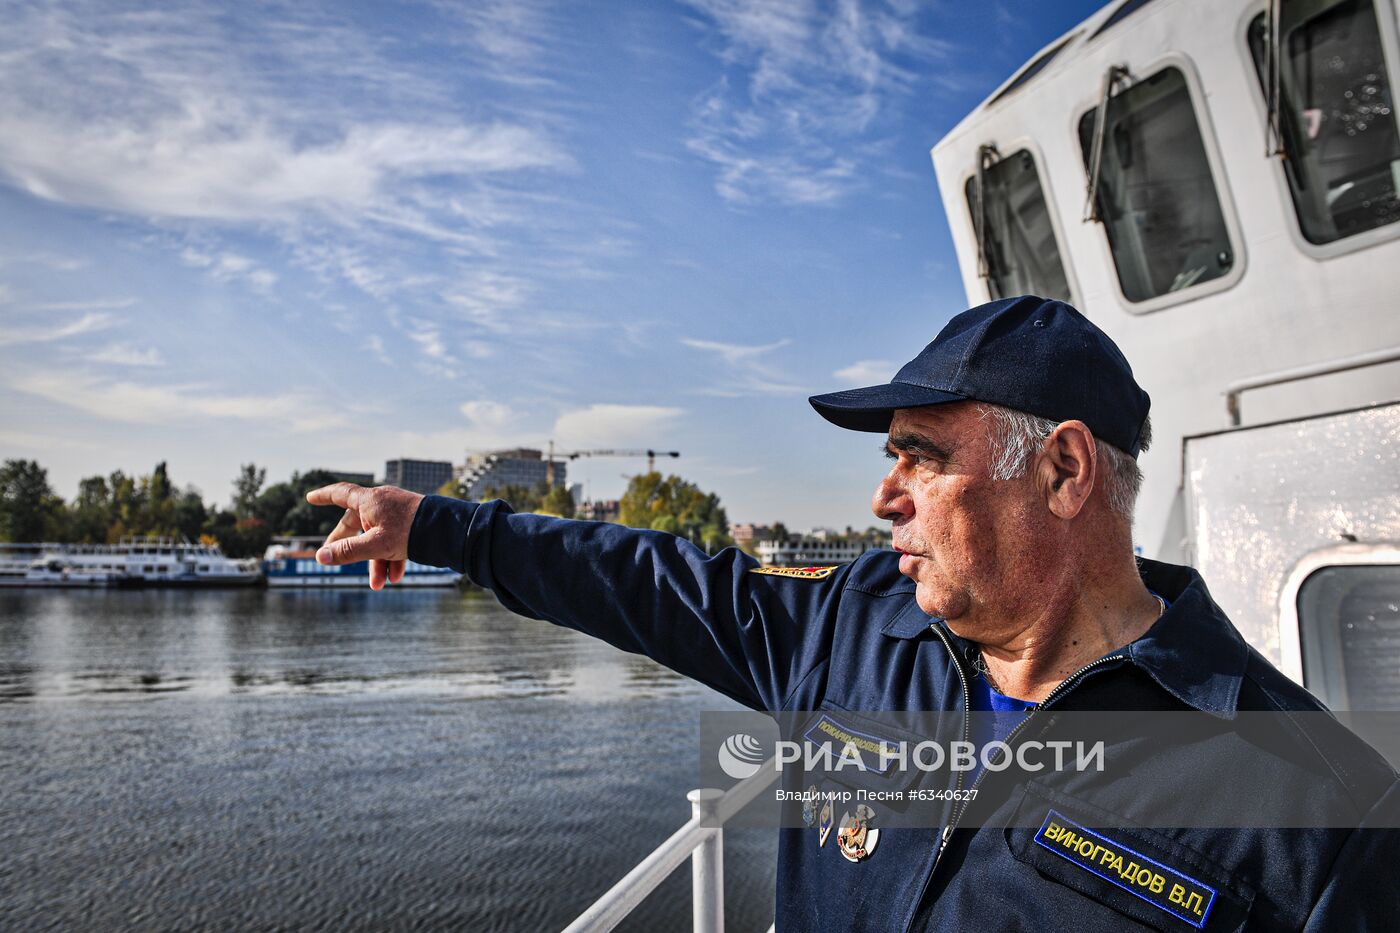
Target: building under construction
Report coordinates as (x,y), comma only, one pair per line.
(520,466)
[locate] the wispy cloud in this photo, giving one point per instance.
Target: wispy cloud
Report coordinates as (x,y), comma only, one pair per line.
(375,344)
(130,402)
(605,425)
(93,321)
(867,372)
(94,304)
(124,354)
(488,299)
(806,84)
(484,413)
(746,372)
(227,266)
(238,169)
(43,442)
(306,152)
(290,125)
(512,37)
(189,113)
(47,260)
(735,353)
(433,347)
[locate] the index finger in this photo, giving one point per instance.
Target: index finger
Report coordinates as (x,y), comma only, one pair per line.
(345,495)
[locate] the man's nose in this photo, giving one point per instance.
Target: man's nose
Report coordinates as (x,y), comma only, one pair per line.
(891,501)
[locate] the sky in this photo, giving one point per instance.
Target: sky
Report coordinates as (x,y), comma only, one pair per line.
(328,234)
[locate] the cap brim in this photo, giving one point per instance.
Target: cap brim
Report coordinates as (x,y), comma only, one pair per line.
(871,408)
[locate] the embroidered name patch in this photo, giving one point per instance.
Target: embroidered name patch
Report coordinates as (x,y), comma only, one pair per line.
(1179,895)
(849,748)
(804,573)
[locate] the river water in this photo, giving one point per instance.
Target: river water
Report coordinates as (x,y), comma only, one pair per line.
(258,759)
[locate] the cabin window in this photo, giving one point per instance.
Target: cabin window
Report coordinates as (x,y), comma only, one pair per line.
(1034,68)
(1120,14)
(1336,116)
(1017,241)
(1349,621)
(1156,195)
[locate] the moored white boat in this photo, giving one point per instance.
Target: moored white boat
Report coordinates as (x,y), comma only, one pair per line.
(55,573)
(143,562)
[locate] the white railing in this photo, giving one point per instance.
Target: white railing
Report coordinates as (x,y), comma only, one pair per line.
(701,840)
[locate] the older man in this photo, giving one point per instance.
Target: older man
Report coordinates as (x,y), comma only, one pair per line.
(1013,440)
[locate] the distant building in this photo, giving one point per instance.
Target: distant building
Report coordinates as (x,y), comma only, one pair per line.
(520,466)
(425,476)
(820,548)
(604,510)
(745,533)
(359,479)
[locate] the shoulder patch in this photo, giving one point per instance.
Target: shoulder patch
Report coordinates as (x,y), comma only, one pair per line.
(802,573)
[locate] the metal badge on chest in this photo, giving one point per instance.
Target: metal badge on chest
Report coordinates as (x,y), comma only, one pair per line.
(855,838)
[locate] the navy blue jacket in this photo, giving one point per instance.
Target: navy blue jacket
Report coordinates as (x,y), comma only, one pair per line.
(855,640)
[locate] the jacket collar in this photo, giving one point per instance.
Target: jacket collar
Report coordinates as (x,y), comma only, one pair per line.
(1193,651)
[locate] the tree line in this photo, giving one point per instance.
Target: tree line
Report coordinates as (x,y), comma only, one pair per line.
(109,508)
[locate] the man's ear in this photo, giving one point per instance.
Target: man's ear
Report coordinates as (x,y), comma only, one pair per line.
(1066,468)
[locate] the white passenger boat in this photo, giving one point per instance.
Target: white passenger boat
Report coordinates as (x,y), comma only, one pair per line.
(152,562)
(16,559)
(28,565)
(291,562)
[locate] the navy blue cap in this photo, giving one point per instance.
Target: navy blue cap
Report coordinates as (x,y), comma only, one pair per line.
(1030,354)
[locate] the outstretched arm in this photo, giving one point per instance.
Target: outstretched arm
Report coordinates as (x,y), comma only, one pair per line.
(751,636)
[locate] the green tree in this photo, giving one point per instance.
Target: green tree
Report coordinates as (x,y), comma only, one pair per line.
(302,518)
(521,498)
(557,502)
(126,506)
(238,537)
(156,510)
(29,508)
(246,487)
(190,514)
(273,504)
(90,515)
(220,525)
(674,505)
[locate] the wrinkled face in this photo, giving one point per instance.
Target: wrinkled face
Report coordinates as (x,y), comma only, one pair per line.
(967,540)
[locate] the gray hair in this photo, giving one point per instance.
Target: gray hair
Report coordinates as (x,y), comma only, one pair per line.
(1017,436)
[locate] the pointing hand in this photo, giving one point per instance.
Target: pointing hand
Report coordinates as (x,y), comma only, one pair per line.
(374,527)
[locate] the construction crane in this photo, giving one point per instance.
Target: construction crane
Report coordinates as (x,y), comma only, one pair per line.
(651,456)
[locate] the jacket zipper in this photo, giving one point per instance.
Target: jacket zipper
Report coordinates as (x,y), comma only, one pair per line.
(1063,687)
(967,737)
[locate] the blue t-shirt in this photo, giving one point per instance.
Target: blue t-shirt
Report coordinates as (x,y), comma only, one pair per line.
(994,716)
